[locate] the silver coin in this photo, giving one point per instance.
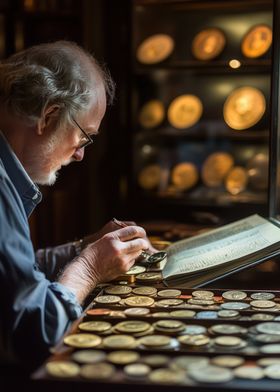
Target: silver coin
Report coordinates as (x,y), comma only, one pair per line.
(268,361)
(265,338)
(249,372)
(203,294)
(270,349)
(207,315)
(273,371)
(262,296)
(193,329)
(185,362)
(169,293)
(228,329)
(211,374)
(262,316)
(228,313)
(235,306)
(88,356)
(134,312)
(262,304)
(272,328)
(136,370)
(234,295)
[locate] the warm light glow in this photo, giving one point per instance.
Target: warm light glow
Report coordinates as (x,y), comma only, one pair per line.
(234,63)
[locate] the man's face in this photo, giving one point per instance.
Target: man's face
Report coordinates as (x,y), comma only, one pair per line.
(61,147)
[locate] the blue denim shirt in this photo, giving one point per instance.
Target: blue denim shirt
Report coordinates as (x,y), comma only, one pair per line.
(34,311)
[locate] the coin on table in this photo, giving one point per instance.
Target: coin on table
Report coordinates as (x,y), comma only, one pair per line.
(135,270)
(169,326)
(118,290)
(97,371)
(150,177)
(155,49)
(149,277)
(194,340)
(169,302)
(257,41)
(151,114)
(266,338)
(184,176)
(184,111)
(272,328)
(107,299)
(207,315)
(202,294)
(155,340)
(95,326)
(169,293)
(257,168)
(268,361)
(193,329)
(262,316)
(234,295)
(156,360)
(82,340)
(202,302)
(273,348)
(119,341)
(137,370)
(262,304)
(88,356)
(133,326)
(145,290)
(123,357)
(167,376)
(228,341)
(273,371)
(249,372)
(235,305)
(98,312)
(215,168)
(210,374)
(135,312)
(185,362)
(236,180)
(62,369)
(228,313)
(228,329)
(244,107)
(139,300)
(182,313)
(262,296)
(230,361)
(208,44)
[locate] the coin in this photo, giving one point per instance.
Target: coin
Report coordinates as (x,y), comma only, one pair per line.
(184,111)
(257,168)
(168,326)
(230,361)
(235,306)
(150,177)
(202,302)
(97,371)
(149,277)
(107,299)
(137,370)
(257,41)
(156,257)
(228,313)
(88,356)
(169,293)
(135,270)
(249,372)
(236,180)
(262,316)
(234,295)
(156,360)
(169,302)
(62,369)
(119,341)
(262,304)
(123,357)
(273,371)
(95,326)
(215,168)
(262,295)
(132,326)
(266,338)
(244,107)
(270,349)
(182,313)
(272,328)
(203,294)
(268,361)
(155,340)
(151,114)
(228,341)
(184,175)
(82,340)
(211,374)
(227,329)
(139,301)
(167,376)
(118,290)
(193,329)
(185,362)
(208,44)
(155,49)
(207,314)
(134,312)
(98,312)
(194,340)
(145,290)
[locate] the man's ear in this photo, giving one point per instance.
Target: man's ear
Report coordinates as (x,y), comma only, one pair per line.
(49,115)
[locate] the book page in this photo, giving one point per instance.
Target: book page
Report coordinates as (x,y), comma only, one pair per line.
(219,246)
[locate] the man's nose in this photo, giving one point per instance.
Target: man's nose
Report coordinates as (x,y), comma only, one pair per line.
(79,154)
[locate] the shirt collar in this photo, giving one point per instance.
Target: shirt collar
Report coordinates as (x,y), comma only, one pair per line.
(28,191)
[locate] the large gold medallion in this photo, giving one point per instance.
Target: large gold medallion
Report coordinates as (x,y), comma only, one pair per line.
(208,44)
(184,111)
(257,41)
(155,49)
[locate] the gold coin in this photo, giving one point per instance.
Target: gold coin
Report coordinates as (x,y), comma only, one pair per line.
(156,360)
(234,295)
(119,341)
(97,371)
(135,312)
(184,175)
(88,356)
(228,341)
(169,293)
(123,357)
(169,326)
(208,44)
(257,41)
(151,114)
(95,326)
(249,372)
(184,111)
(137,370)
(82,340)
(155,340)
(230,361)
(135,270)
(137,301)
(107,299)
(203,294)
(167,376)
(210,374)
(244,107)
(150,177)
(182,313)
(145,290)
(118,290)
(63,369)
(262,304)
(257,169)
(236,180)
(149,277)
(132,326)
(155,49)
(215,168)
(194,340)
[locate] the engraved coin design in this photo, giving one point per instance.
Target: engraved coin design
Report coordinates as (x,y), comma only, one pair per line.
(215,168)
(211,374)
(184,111)
(234,295)
(244,107)
(203,294)
(272,328)
(273,371)
(107,299)
(150,176)
(236,180)
(123,357)
(230,361)
(135,270)
(88,356)
(169,293)
(119,341)
(97,371)
(118,290)
(257,169)
(134,312)
(185,362)
(95,326)
(228,329)
(156,257)
(155,49)
(257,41)
(262,304)
(208,44)
(149,277)
(235,306)
(137,301)
(184,176)
(62,369)
(151,114)
(262,295)
(169,326)
(145,290)
(82,340)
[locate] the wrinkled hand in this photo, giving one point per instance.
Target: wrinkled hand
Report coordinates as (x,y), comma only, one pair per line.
(105,259)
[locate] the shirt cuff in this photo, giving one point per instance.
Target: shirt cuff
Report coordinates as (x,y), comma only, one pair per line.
(72,307)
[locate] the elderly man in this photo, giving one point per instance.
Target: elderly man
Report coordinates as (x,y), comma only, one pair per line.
(52,101)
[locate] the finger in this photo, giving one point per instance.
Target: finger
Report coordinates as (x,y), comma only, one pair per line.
(133,246)
(130,232)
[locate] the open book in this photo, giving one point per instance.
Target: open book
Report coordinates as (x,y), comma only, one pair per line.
(199,260)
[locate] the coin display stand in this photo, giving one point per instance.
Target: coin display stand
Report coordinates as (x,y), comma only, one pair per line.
(140,336)
(200,113)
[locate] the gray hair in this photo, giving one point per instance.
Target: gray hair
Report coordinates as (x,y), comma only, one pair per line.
(59,73)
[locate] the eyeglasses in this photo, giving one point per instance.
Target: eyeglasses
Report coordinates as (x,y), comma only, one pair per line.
(86,139)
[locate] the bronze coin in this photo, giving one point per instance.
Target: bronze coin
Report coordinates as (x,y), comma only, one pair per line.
(244,107)
(184,111)
(184,175)
(208,44)
(151,114)
(215,168)
(98,312)
(236,180)
(257,169)
(257,41)
(155,49)
(150,176)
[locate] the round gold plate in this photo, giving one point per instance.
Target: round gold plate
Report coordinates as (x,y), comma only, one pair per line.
(184,175)
(208,44)
(149,177)
(236,180)
(151,114)
(184,111)
(244,107)
(155,49)
(215,168)
(257,41)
